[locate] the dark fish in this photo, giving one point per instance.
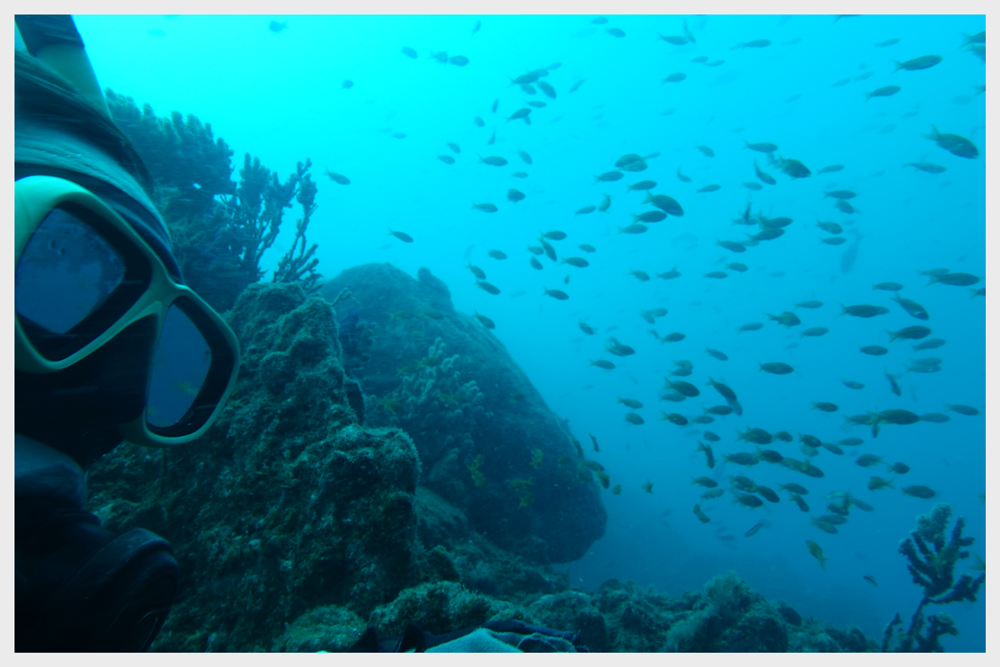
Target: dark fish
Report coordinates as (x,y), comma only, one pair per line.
(634,229)
(525,156)
(601,363)
(918,491)
(793,168)
(869,578)
(912,307)
(875,350)
(585,210)
(888,287)
(586,247)
(706,150)
(497,254)
(825,407)
(347,84)
(609,176)
(966,410)
(550,252)
(276,27)
(447,159)
(915,332)
(454,147)
(831,169)
(485,208)
(929,344)
(576,86)
(888,42)
(732,246)
(476,27)
(834,240)
(843,206)
(410,53)
(750,326)
(955,279)
(923,62)
(709,188)
(776,368)
(460,61)
(483,285)
(650,216)
(927,167)
(676,40)
(479,122)
(337,178)
(402,236)
(840,194)
(716,274)
(935,418)
(494,160)
(884,91)
(555,294)
(682,177)
(547,89)
(809,304)
(668,205)
(753,186)
(762,147)
(642,185)
(863,310)
(765,177)
(954,144)
(893,385)
(753,531)
(515,195)
(519,174)
(634,418)
(831,227)
(756,44)
(675,78)
(485,321)
(718,355)
(476,271)
(616,32)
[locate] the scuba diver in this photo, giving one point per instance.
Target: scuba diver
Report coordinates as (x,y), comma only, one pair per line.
(110,345)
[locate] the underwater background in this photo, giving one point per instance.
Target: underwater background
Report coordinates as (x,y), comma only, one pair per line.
(276,87)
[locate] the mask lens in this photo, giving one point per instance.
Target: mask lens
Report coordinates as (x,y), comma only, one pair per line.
(65,273)
(180,365)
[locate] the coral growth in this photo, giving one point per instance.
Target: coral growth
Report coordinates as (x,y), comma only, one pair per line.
(931,562)
(219,228)
(433,400)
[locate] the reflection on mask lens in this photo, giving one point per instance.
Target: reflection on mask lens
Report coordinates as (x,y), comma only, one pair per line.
(65,272)
(180,365)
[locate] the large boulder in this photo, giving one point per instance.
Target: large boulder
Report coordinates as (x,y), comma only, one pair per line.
(487,441)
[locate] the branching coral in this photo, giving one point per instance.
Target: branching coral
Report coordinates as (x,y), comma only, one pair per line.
(932,564)
(220,228)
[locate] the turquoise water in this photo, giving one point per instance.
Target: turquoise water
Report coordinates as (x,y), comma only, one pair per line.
(280,95)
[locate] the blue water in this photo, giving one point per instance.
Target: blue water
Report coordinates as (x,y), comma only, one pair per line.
(280,96)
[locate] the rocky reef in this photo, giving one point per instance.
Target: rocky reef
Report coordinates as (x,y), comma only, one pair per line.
(297,523)
(487,442)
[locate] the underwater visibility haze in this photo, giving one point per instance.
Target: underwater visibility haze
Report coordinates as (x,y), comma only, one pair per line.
(734,264)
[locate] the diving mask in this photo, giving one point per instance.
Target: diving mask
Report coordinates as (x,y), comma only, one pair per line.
(83,276)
